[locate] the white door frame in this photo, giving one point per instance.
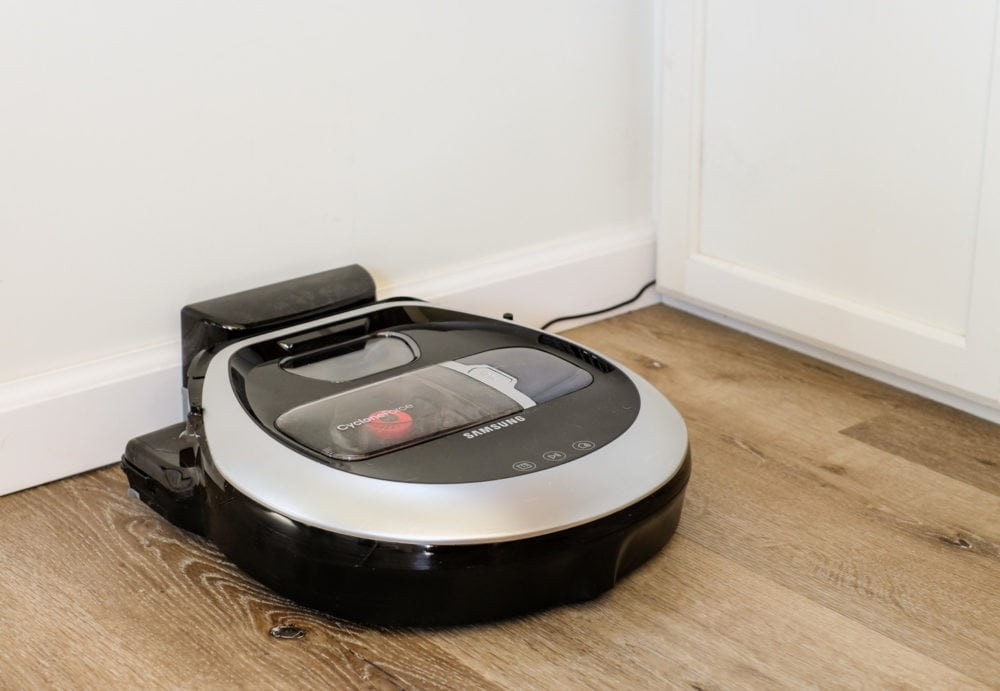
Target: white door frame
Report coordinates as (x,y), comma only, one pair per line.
(967,364)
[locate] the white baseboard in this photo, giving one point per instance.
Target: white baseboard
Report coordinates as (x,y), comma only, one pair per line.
(948,398)
(72,420)
(54,434)
(552,280)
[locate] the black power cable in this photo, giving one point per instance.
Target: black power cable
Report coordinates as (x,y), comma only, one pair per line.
(600,311)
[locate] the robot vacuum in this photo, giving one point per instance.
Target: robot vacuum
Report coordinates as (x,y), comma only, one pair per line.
(396,463)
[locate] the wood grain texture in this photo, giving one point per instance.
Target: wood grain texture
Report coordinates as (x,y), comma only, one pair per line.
(948,441)
(837,533)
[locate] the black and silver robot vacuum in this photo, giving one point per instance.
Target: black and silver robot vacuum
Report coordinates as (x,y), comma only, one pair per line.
(393,462)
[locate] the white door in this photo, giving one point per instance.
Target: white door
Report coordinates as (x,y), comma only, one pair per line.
(830,169)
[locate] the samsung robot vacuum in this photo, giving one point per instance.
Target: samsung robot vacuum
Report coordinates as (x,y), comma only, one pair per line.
(397,463)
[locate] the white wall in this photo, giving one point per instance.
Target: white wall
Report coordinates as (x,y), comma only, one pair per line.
(152,154)
(490,155)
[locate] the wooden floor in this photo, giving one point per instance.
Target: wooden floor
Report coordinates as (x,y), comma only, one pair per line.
(837,533)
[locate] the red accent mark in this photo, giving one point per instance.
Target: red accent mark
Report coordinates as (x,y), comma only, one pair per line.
(391,424)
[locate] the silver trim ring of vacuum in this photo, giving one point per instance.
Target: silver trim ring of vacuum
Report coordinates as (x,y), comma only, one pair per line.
(279,478)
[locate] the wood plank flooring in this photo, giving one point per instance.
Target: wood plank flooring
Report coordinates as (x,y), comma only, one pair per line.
(836,533)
